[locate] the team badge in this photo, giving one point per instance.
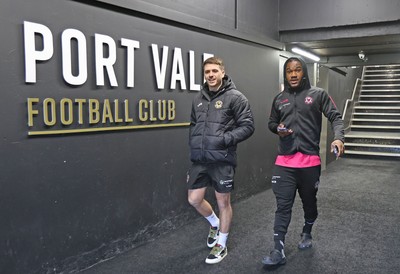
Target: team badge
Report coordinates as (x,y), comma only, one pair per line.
(218,104)
(308,100)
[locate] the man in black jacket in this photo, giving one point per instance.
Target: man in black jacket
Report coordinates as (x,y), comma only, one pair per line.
(296,117)
(220,119)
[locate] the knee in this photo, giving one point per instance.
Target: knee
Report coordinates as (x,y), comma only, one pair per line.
(194,200)
(284,206)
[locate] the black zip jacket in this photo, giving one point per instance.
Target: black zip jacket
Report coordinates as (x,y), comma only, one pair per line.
(301,110)
(218,124)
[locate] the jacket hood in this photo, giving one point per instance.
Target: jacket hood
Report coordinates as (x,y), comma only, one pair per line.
(227,84)
(305,81)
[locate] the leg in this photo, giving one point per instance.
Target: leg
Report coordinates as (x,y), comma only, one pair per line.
(308,188)
(222,178)
(219,251)
(196,199)
(284,187)
(198,179)
(225,211)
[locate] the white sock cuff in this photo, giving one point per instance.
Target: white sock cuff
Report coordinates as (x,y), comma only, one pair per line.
(222,238)
(213,220)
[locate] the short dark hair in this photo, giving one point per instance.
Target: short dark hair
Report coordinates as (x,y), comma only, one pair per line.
(215,61)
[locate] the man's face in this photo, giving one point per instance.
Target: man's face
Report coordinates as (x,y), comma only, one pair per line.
(213,75)
(294,73)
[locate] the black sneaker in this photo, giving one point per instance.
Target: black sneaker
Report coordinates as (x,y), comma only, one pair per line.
(305,241)
(212,237)
(275,258)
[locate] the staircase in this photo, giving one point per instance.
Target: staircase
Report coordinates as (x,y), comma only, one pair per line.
(374,114)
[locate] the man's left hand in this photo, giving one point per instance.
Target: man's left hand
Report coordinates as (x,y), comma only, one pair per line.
(339,147)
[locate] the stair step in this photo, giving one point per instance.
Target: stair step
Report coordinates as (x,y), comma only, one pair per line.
(380,80)
(379,85)
(375,127)
(380,96)
(377,107)
(376,120)
(393,69)
(392,110)
(379,102)
(372,153)
(393,107)
(383,68)
(371,145)
(379,90)
(373,138)
(377,113)
(382,74)
(379,93)
(372,135)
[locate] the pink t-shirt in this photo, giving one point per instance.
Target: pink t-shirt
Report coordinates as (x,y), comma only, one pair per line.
(298,160)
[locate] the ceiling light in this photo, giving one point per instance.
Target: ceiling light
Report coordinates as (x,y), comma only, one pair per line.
(306,54)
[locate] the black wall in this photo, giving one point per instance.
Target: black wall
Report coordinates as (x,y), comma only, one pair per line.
(71,200)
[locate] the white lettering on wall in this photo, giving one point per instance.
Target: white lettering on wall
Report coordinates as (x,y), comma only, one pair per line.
(131,45)
(178,73)
(31,53)
(160,68)
(39,47)
(103,62)
(192,77)
(66,37)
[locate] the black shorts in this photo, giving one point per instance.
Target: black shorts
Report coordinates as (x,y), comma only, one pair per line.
(219,176)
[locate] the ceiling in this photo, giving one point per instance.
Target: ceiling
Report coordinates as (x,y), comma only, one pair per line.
(351,46)
(340,46)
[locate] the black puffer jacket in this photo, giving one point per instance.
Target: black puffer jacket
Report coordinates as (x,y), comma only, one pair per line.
(218,124)
(301,110)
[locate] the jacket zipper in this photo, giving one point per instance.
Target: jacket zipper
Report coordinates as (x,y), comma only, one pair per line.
(204,131)
(295,122)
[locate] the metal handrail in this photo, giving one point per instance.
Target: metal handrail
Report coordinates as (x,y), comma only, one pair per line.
(349,105)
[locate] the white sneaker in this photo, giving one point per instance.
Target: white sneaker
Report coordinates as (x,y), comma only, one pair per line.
(217,254)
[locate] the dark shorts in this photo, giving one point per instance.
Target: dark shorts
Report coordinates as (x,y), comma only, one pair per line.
(219,176)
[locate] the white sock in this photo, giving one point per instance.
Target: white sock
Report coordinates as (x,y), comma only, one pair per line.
(223,237)
(213,220)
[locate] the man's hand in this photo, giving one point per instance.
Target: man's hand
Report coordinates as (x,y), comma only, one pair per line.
(283,131)
(337,147)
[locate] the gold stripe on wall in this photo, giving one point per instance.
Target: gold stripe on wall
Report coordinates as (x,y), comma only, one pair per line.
(86,130)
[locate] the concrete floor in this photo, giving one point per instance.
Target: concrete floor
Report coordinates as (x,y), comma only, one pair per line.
(357,231)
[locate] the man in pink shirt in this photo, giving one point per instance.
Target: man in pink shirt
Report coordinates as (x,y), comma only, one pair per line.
(296,116)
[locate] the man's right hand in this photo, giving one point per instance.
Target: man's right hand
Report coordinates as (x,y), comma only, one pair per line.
(283,131)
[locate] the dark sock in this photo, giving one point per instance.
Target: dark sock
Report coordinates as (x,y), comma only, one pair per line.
(308,227)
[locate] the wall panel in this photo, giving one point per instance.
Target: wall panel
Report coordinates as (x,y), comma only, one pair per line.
(71,200)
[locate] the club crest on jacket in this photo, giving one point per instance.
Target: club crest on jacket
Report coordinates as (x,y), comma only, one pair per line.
(218,104)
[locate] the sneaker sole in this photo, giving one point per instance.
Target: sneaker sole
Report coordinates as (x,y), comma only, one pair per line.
(283,261)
